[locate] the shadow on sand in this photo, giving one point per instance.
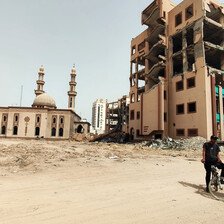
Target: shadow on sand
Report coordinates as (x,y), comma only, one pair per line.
(199,190)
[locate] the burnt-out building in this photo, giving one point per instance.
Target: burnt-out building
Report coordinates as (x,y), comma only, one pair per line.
(177,68)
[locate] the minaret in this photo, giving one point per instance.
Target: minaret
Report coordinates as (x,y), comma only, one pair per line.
(72,93)
(40,82)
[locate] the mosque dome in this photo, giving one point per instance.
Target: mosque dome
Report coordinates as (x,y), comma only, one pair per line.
(44,101)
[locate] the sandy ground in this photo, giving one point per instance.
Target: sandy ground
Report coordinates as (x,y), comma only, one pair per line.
(72,183)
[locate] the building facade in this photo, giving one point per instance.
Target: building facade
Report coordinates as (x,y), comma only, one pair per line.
(177,68)
(99,116)
(43,119)
(117,115)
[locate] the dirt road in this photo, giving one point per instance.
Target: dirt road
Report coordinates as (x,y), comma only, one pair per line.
(141,188)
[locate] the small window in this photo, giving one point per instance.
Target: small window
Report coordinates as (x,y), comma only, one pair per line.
(139,97)
(37,131)
(132,114)
(133,50)
(180,132)
(16,118)
(54,120)
(61,132)
(179,86)
(15,130)
(192,107)
(192,132)
(164,94)
(61,120)
(53,132)
(191,82)
(165,117)
(178,19)
(38,119)
(132,98)
(189,12)
(138,132)
(138,115)
(3,130)
(164,14)
(5,118)
(141,46)
(180,109)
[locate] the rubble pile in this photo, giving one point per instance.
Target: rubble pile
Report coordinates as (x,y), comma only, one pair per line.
(195,143)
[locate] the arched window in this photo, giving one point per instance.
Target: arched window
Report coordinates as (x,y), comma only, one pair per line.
(16,118)
(3,130)
(15,130)
(80,129)
(54,120)
(61,132)
(37,131)
(38,119)
(4,118)
(62,120)
(53,132)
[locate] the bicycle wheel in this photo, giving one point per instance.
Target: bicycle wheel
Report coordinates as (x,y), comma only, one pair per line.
(216,190)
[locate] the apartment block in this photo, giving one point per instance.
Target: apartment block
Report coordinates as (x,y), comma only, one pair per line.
(176,72)
(99,116)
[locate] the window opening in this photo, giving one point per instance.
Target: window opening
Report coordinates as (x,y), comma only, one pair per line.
(178,19)
(179,86)
(15,130)
(180,132)
(37,131)
(180,109)
(191,107)
(191,82)
(189,12)
(53,132)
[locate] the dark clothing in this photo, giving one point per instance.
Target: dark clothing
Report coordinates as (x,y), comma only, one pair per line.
(211,152)
(208,170)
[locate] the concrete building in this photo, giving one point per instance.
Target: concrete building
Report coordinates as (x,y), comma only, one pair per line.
(43,119)
(177,68)
(117,115)
(99,116)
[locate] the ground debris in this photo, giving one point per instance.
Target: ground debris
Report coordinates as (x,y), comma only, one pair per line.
(195,143)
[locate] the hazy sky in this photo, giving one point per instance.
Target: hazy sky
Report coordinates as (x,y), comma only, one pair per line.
(95,35)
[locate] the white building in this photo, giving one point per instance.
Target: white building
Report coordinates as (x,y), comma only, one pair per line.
(99,116)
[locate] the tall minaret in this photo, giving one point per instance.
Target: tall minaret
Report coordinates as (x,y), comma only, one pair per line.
(40,82)
(72,93)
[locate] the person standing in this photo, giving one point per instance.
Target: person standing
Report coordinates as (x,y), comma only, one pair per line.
(211,157)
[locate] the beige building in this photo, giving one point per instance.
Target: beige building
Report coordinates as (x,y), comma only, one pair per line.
(177,68)
(43,119)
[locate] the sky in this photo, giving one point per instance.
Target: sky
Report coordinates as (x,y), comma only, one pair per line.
(94,35)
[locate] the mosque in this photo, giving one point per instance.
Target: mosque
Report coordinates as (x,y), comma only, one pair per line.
(43,119)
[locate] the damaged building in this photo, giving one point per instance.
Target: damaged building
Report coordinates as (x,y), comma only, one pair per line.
(176,72)
(117,115)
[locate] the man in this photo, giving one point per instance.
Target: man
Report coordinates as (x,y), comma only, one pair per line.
(211,157)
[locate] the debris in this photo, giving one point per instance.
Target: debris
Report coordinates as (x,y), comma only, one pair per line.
(114,157)
(195,143)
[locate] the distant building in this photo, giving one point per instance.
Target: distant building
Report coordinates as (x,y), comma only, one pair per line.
(117,116)
(43,119)
(99,116)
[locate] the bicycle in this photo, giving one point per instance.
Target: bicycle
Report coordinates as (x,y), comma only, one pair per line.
(216,186)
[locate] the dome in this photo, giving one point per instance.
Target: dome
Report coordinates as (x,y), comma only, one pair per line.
(44,100)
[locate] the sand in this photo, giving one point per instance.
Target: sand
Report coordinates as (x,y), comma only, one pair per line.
(99,183)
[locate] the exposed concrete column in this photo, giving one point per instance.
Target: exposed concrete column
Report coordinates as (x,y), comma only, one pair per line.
(199,49)
(184,43)
(221,112)
(213,97)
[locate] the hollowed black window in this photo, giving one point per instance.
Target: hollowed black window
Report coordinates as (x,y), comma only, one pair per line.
(53,132)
